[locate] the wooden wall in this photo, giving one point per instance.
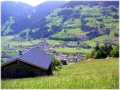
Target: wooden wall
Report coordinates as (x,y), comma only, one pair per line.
(20,69)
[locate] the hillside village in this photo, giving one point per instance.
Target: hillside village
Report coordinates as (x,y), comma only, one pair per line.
(46,47)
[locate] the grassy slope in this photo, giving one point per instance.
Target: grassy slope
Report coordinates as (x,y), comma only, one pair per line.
(95,74)
(94,11)
(72,50)
(5,40)
(7,26)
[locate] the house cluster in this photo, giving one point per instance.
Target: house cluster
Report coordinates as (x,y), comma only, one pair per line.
(8,47)
(64,58)
(71,44)
(48,47)
(60,45)
(43,45)
(85,46)
(76,58)
(5,55)
(110,41)
(16,38)
(63,45)
(82,38)
(71,34)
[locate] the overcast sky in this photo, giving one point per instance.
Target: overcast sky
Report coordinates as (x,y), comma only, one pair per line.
(33,2)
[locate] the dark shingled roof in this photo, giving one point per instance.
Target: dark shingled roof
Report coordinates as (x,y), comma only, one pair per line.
(34,57)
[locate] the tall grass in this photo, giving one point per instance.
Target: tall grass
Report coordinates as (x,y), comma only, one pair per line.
(95,74)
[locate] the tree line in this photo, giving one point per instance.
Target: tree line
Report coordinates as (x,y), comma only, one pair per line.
(103,52)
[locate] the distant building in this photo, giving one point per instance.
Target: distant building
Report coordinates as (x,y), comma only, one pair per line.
(63,59)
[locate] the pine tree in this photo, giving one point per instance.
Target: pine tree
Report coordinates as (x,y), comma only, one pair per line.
(97,55)
(78,43)
(105,47)
(115,52)
(97,47)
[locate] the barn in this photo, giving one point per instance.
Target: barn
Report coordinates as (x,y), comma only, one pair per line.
(31,63)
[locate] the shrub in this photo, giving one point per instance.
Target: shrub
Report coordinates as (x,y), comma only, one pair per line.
(56,64)
(97,55)
(115,52)
(87,56)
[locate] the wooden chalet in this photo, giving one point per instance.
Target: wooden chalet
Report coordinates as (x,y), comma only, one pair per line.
(31,63)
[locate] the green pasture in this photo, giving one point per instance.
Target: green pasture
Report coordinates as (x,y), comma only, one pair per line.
(94,74)
(5,40)
(53,42)
(72,50)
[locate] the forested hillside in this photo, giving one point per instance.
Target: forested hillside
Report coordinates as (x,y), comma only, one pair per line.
(78,20)
(74,21)
(17,16)
(12,15)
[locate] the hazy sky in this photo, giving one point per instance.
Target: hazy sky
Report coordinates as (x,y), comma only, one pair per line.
(36,2)
(33,2)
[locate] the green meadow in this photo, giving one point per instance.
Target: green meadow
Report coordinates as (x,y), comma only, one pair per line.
(72,50)
(94,74)
(5,40)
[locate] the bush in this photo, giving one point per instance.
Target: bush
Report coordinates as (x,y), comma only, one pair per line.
(56,64)
(115,52)
(99,19)
(87,56)
(97,55)
(103,52)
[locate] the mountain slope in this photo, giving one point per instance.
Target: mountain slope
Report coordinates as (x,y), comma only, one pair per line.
(17,16)
(81,21)
(45,8)
(13,13)
(74,21)
(15,9)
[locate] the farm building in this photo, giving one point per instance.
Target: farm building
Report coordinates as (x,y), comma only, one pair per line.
(31,63)
(64,61)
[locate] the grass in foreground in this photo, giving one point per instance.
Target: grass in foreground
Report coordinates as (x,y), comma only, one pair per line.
(95,74)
